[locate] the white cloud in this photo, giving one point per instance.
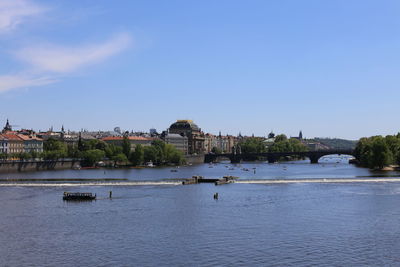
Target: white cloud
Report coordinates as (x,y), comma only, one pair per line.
(14,12)
(62,59)
(10,82)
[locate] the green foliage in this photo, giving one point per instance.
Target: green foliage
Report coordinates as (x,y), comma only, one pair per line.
(252,145)
(54,145)
(120,158)
(378,152)
(73,152)
(23,156)
(150,153)
(160,153)
(91,144)
(92,156)
(54,149)
(216,150)
(282,144)
(53,155)
(126,146)
(137,157)
(280,138)
(381,154)
(33,155)
(112,150)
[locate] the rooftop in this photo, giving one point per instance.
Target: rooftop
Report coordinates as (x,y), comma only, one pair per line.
(133,138)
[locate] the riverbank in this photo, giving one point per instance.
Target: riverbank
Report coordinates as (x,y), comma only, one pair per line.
(391,168)
(40,165)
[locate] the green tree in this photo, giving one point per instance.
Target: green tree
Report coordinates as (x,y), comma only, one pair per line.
(33,154)
(177,157)
(160,148)
(23,156)
(92,156)
(137,157)
(120,159)
(54,145)
(280,138)
(126,146)
(377,152)
(216,150)
(381,154)
(150,153)
(252,145)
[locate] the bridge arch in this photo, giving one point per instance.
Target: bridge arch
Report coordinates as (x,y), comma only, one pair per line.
(272,157)
(315,159)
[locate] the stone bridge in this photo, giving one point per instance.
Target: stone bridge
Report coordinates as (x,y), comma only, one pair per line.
(272,157)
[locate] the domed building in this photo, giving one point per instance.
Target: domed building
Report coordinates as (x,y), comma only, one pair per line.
(190,130)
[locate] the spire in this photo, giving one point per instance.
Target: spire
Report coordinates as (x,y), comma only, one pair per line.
(62,129)
(300,135)
(7,127)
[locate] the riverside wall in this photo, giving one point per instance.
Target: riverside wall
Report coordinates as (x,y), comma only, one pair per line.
(22,166)
(194,159)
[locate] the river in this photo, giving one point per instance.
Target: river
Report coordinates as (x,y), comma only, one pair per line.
(296,224)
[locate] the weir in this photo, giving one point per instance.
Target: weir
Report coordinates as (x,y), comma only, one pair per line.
(225,180)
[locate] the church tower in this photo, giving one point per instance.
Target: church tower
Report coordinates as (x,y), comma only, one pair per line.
(7,128)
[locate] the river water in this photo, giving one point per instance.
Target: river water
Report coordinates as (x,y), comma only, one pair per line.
(295,224)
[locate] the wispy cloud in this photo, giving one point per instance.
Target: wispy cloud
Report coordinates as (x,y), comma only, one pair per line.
(62,59)
(17,81)
(14,12)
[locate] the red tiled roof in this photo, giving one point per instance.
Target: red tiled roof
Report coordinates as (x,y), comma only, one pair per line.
(133,138)
(29,137)
(12,137)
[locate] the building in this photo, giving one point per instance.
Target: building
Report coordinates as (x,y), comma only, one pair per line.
(194,134)
(225,143)
(3,144)
(210,142)
(153,132)
(133,140)
(180,142)
(7,127)
(15,143)
(32,143)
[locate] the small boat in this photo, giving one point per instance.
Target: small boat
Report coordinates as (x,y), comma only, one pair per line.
(173,170)
(78,196)
(150,164)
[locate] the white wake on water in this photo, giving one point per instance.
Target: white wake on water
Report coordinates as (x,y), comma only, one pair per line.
(87,184)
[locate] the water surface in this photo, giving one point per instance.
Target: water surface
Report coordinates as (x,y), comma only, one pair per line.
(296,224)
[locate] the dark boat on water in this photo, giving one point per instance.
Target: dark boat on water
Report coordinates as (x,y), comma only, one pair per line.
(78,196)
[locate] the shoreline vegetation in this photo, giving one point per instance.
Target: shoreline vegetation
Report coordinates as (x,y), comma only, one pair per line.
(378,152)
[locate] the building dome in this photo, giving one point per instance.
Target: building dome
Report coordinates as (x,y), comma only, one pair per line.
(184,125)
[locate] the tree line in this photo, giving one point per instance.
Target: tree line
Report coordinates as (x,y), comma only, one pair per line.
(280,144)
(376,152)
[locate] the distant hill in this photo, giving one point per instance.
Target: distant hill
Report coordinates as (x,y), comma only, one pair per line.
(336,143)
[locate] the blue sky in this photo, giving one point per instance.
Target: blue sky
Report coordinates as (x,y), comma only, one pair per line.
(329,68)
